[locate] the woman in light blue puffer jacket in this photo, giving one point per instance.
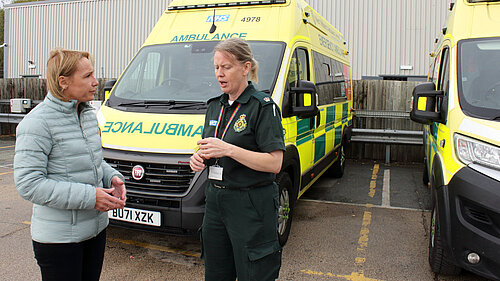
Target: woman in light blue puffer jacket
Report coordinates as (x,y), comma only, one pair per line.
(59,167)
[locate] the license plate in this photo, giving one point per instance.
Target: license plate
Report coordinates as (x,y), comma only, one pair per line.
(136,216)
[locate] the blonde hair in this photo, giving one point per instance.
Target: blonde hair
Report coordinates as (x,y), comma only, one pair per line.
(63,63)
(240,49)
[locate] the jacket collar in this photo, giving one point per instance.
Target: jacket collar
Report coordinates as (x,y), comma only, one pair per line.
(243,98)
(63,106)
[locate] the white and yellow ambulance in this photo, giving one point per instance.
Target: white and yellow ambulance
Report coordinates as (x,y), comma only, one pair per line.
(460,106)
(153,116)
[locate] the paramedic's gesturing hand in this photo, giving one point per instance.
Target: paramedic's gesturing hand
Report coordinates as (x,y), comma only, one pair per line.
(105,201)
(260,161)
(119,186)
(196,162)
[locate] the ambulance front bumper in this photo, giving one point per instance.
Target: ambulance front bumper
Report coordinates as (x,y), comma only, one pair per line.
(474,220)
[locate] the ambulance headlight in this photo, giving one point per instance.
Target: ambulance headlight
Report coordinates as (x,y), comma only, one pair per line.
(470,151)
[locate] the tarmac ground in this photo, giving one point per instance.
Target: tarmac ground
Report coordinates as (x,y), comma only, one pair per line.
(371,224)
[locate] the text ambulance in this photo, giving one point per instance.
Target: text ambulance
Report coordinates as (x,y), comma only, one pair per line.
(461,110)
(154,115)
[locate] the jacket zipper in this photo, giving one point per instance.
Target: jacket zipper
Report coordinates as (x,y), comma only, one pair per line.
(80,122)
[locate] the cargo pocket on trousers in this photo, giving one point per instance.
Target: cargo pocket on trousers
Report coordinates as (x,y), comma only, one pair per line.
(265,261)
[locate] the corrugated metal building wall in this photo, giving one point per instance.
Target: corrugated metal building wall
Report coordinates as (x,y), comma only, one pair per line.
(383,35)
(112,30)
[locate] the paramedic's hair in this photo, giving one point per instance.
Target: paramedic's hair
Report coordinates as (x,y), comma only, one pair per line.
(63,63)
(242,52)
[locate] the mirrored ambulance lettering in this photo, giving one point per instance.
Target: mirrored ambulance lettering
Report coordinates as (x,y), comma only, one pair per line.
(172,129)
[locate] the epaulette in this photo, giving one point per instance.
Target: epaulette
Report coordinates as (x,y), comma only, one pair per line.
(263,98)
(214,98)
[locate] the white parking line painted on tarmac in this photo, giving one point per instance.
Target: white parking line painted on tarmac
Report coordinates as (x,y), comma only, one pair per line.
(362,205)
(386,189)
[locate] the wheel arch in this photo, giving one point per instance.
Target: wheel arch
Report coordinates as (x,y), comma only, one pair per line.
(440,197)
(291,166)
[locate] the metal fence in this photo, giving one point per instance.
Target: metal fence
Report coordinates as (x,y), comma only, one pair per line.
(382,127)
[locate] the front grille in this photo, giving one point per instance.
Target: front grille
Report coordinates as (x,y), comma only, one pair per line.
(478,215)
(481,217)
(167,178)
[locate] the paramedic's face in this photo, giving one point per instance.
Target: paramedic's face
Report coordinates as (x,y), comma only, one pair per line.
(231,74)
(81,85)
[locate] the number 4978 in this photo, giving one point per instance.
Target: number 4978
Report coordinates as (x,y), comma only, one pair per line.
(250,19)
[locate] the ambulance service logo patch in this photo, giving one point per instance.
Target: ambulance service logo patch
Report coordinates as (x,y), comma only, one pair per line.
(266,99)
(240,124)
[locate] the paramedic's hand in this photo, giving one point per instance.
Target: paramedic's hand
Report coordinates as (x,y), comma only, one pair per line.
(214,148)
(196,162)
(104,201)
(120,192)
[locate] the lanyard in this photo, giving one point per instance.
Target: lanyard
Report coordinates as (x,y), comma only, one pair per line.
(228,123)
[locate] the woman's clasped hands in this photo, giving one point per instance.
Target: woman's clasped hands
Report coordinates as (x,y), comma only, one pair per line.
(111,198)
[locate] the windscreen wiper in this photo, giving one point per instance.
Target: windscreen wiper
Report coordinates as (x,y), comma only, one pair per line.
(148,103)
(191,104)
(173,103)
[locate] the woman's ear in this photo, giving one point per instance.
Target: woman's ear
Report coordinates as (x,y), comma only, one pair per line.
(63,82)
(247,67)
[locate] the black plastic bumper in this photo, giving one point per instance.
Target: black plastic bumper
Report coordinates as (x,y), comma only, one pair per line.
(472,221)
(179,215)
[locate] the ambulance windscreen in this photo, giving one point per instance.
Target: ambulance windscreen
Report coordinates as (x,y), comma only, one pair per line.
(164,75)
(479,77)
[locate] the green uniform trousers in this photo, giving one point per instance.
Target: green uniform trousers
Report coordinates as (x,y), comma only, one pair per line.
(239,234)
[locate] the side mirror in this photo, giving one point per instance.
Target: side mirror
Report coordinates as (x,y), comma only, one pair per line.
(303,100)
(107,88)
(427,104)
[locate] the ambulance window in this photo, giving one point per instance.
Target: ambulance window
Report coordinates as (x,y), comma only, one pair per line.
(303,64)
(329,78)
(338,79)
(444,77)
(433,71)
(299,67)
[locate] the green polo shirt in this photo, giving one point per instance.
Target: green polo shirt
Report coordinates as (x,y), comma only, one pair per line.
(255,126)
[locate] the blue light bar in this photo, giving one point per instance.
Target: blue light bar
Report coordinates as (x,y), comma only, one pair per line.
(230,4)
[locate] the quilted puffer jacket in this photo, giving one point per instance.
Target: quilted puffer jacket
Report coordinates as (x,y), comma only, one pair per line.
(58,164)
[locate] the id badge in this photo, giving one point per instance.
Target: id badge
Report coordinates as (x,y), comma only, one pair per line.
(215,172)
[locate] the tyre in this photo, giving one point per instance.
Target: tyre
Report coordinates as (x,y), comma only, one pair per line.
(425,176)
(439,260)
(286,204)
(337,169)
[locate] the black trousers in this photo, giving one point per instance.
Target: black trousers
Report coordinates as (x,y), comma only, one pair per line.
(71,261)
(240,234)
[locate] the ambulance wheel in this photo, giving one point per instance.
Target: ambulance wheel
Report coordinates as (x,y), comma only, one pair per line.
(286,204)
(337,169)
(425,176)
(439,259)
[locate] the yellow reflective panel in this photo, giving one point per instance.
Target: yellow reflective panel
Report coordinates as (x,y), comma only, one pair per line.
(422,102)
(307,99)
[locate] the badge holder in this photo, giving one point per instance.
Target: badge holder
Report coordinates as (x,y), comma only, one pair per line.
(215,171)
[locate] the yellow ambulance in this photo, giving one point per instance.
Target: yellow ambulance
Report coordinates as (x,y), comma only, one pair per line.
(154,114)
(460,106)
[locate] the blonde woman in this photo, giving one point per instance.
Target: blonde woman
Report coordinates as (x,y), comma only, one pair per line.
(59,167)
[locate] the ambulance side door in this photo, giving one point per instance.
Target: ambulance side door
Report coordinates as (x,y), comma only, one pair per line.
(437,135)
(299,70)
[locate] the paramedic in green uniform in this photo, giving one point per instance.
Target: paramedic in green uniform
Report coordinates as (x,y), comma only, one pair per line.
(243,148)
